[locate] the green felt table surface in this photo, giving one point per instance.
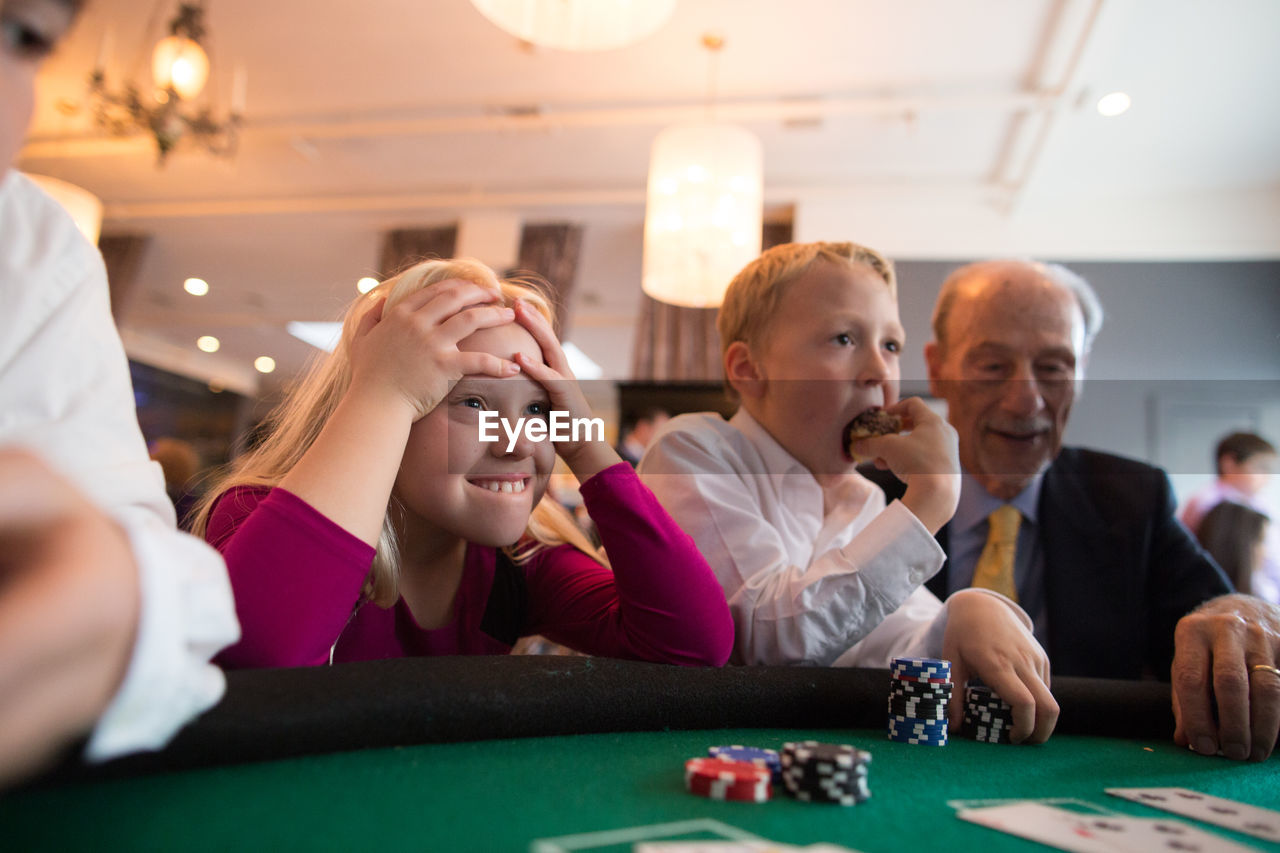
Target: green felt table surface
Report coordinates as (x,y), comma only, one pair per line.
(500,795)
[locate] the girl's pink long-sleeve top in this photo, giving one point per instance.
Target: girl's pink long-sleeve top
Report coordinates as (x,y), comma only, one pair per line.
(297,578)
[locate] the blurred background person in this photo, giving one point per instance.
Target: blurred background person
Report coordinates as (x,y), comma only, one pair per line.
(180,463)
(637,433)
(1245,463)
(1235,535)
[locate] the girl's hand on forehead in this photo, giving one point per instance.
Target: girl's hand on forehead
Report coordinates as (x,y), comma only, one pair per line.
(408,354)
(583,457)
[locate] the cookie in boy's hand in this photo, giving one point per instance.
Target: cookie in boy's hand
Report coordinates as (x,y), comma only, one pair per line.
(869,424)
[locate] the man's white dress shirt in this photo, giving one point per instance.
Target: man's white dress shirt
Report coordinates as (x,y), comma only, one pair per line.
(65,394)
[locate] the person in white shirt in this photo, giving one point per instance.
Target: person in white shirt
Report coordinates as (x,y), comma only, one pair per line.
(108,615)
(816,569)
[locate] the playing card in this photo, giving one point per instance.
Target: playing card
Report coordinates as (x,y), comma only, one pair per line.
(1045,824)
(1091,833)
(1157,835)
(1251,820)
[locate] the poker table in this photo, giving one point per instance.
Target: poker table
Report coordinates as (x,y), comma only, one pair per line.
(568,753)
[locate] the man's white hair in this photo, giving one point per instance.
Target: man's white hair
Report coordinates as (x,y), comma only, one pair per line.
(1086,298)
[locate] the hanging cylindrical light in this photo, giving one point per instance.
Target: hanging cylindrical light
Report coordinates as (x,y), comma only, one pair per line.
(85,207)
(180,64)
(703,212)
(578,24)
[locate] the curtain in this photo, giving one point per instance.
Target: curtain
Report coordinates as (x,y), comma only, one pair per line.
(406,246)
(551,251)
(123,254)
(674,342)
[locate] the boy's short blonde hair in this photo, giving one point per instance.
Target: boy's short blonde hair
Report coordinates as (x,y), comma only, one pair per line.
(756,292)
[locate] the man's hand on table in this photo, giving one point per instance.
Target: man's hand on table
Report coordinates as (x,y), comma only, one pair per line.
(1226,651)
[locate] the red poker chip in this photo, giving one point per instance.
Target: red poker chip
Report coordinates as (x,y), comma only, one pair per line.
(752,792)
(922,680)
(728,780)
(726,771)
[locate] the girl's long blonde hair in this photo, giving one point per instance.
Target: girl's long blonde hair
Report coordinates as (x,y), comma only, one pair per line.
(291,428)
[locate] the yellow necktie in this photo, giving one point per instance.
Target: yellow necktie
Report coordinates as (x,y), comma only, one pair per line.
(995,566)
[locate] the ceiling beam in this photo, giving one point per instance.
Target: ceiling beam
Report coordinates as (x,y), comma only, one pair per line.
(539,117)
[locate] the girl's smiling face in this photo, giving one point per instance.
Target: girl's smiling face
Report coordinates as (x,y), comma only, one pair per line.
(452,482)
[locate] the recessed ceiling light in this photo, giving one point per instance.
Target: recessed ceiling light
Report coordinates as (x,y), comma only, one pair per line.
(196,286)
(366,284)
(264,364)
(208,343)
(1114,104)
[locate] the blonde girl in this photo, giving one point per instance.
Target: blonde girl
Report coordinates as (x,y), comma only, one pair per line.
(371,521)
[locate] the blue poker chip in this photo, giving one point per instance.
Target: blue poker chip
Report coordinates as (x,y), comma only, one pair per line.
(921,741)
(940,674)
(767,758)
(918,665)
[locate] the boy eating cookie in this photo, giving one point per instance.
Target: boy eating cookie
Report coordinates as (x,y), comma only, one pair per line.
(816,569)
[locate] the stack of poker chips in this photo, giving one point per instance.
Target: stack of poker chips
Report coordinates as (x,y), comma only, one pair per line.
(987,717)
(728,780)
(919,690)
(825,772)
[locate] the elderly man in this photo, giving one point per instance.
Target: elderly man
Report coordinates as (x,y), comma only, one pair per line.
(1086,542)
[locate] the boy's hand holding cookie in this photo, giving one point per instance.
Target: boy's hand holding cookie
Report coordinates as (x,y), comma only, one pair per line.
(926,458)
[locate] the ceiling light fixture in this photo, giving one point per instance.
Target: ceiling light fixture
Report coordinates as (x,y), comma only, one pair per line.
(166,108)
(208,343)
(366,284)
(578,24)
(196,286)
(704,207)
(85,207)
(264,364)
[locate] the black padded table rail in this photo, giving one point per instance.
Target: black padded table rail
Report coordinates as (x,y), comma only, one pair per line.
(279,713)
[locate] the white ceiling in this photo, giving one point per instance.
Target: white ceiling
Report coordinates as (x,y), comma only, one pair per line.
(368,115)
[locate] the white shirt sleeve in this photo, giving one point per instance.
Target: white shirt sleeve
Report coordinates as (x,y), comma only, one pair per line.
(916,629)
(67,396)
(787,610)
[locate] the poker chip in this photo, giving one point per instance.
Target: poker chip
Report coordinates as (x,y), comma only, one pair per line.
(920,689)
(767,758)
(921,668)
(919,694)
(719,779)
(818,772)
(924,710)
(987,717)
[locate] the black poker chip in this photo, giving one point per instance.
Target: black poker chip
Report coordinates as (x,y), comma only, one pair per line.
(825,772)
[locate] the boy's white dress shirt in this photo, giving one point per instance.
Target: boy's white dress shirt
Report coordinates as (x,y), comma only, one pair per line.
(812,575)
(66,395)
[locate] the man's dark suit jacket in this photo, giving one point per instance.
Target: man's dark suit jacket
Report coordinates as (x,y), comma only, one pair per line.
(1120,570)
